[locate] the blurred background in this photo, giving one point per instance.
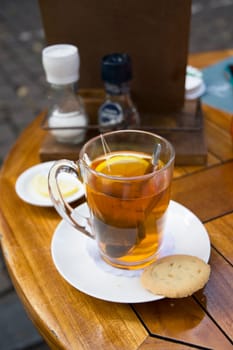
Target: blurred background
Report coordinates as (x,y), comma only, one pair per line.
(22,97)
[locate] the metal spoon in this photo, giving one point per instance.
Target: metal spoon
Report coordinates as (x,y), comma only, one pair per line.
(156,154)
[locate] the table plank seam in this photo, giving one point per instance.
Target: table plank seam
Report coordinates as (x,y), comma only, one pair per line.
(169,339)
(218,216)
(213,320)
(222,256)
(201,170)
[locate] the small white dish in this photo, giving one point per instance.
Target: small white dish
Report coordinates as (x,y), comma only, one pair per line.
(194,84)
(27,192)
(196,93)
(78,261)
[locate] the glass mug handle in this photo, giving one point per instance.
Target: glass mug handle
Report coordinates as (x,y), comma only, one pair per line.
(63,208)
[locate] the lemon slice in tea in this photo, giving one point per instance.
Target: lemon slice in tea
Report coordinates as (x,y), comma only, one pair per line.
(125,165)
(40,185)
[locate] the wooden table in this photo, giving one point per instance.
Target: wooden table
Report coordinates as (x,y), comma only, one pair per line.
(69,319)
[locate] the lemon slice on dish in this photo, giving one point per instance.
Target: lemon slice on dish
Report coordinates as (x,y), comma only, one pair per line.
(67,185)
(124,165)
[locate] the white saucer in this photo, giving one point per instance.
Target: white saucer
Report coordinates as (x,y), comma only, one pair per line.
(77,259)
(27,193)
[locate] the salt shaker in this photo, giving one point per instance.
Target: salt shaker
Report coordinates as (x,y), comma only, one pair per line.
(67,119)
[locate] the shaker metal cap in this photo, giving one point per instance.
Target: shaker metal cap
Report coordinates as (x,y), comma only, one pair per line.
(116,68)
(61,63)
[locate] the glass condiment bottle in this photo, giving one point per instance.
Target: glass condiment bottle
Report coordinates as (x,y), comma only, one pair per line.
(67,119)
(118,110)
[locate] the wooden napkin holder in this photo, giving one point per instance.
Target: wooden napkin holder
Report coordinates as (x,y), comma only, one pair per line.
(156,35)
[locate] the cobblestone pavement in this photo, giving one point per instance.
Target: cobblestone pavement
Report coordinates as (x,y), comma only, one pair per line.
(22,92)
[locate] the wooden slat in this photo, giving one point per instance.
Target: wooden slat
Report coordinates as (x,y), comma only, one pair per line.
(184,170)
(153,343)
(217,296)
(221,235)
(220,118)
(208,193)
(182,320)
(219,141)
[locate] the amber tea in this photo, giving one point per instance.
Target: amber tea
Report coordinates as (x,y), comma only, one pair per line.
(127,177)
(128,216)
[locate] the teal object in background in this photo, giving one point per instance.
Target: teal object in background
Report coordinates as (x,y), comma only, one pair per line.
(219,86)
(229,73)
